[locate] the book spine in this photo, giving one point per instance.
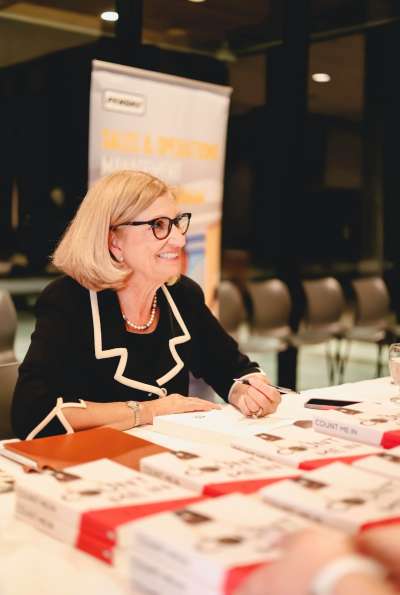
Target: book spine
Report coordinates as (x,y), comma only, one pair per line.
(348,431)
(184,559)
(29,513)
(45,506)
(173,478)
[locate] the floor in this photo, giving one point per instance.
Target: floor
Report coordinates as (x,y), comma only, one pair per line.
(312,364)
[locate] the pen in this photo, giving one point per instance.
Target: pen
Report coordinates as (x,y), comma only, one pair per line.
(280,389)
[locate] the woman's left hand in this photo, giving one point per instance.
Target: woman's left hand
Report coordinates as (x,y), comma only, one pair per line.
(257,398)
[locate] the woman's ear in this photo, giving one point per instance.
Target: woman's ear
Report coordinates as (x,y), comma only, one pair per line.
(114,246)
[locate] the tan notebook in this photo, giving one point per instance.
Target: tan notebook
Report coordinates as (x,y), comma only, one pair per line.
(58,452)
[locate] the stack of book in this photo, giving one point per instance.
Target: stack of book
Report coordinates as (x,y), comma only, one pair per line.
(94,505)
(209,547)
(213,472)
(218,426)
(302,447)
(339,495)
(386,463)
(370,423)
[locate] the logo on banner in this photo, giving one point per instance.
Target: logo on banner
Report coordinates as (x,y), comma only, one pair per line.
(128,103)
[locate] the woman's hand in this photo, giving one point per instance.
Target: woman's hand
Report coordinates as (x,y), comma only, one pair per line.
(173,403)
(304,554)
(257,398)
(383,544)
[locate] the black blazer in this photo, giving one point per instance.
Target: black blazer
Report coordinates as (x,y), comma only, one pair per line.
(81,350)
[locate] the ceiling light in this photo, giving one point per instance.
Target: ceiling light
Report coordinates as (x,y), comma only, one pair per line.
(109,15)
(196,0)
(321,77)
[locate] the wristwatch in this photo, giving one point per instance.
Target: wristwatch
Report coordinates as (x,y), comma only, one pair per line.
(135,407)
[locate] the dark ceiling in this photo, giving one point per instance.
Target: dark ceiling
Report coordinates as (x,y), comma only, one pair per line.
(237,31)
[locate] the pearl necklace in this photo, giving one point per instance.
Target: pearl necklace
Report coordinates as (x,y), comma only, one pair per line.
(146,325)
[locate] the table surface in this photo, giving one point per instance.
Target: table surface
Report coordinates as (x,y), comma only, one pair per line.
(33,563)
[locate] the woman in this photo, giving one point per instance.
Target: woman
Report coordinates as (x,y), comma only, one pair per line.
(111,338)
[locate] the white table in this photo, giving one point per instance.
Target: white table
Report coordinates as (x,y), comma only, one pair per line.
(33,564)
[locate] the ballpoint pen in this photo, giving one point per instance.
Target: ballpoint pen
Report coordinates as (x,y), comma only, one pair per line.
(280,389)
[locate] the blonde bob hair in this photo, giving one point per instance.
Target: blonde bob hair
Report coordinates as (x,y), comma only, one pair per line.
(83,252)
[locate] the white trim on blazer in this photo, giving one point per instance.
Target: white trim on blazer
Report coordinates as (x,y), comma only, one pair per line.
(122,352)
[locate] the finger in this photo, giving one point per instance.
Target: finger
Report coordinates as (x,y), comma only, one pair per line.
(261,403)
(242,405)
(268,391)
(203,403)
(252,405)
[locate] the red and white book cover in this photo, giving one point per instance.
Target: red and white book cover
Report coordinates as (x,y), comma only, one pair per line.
(300,446)
(386,463)
(371,423)
(340,495)
(218,426)
(101,499)
(213,544)
(215,471)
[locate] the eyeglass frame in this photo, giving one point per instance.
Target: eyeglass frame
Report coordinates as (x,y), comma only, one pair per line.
(152,223)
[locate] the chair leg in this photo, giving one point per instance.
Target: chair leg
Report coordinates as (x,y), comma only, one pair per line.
(330,361)
(379,363)
(338,358)
(343,361)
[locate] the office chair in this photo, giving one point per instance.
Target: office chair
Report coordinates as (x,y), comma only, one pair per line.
(372,322)
(232,313)
(269,327)
(322,322)
(8,328)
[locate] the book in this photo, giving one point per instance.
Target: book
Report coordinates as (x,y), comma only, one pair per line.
(59,452)
(302,447)
(218,426)
(371,423)
(213,472)
(101,498)
(339,495)
(212,544)
(386,463)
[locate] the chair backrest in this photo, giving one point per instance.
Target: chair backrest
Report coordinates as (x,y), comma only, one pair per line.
(232,312)
(325,302)
(8,379)
(372,301)
(8,328)
(271,307)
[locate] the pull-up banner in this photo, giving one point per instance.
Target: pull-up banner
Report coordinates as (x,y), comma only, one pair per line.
(174,128)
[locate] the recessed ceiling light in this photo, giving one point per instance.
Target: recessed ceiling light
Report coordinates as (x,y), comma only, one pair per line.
(196,0)
(321,77)
(109,15)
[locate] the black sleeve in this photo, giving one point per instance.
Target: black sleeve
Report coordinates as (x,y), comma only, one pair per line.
(50,368)
(217,358)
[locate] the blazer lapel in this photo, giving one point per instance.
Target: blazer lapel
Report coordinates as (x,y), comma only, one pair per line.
(109,333)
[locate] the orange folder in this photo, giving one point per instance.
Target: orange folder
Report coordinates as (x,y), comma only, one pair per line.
(58,452)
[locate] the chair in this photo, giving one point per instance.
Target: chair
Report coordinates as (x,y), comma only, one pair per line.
(371,318)
(8,328)
(232,313)
(269,327)
(322,322)
(8,379)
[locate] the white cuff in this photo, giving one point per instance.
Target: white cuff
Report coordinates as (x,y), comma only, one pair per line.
(325,581)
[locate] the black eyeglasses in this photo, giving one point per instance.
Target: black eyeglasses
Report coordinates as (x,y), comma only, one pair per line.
(161,227)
